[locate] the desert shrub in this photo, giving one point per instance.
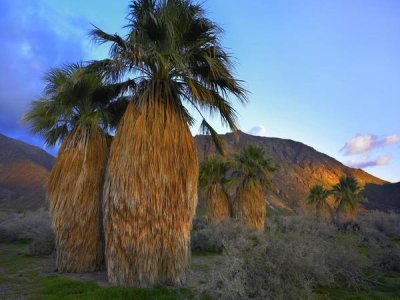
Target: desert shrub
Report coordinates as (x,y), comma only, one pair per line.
(43,242)
(292,257)
(372,238)
(212,237)
(388,259)
(199,223)
(386,223)
(34,226)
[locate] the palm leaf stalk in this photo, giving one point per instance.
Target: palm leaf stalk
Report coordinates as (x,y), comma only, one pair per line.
(173,55)
(73,112)
(251,171)
(212,178)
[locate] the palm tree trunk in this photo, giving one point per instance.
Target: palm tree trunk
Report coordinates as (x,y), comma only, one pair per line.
(250,206)
(74,191)
(217,204)
(150,196)
(345,214)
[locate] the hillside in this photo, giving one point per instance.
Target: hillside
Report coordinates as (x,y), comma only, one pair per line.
(384,197)
(23,173)
(301,167)
(24,169)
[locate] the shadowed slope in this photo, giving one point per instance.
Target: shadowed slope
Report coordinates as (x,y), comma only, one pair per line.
(23,172)
(385,197)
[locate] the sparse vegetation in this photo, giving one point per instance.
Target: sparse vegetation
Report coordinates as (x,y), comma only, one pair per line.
(296,257)
(300,258)
(31,226)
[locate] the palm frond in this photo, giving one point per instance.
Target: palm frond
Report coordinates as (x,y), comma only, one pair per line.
(207,129)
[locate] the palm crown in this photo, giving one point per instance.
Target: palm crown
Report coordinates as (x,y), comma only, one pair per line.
(318,195)
(74,99)
(251,166)
(173,54)
(347,192)
(212,171)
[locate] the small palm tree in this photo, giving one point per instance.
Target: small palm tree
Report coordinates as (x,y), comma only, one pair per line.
(319,197)
(347,194)
(173,54)
(212,178)
(75,111)
(251,172)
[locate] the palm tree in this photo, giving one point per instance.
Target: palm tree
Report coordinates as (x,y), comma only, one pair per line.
(319,197)
(75,111)
(251,172)
(212,178)
(173,55)
(347,194)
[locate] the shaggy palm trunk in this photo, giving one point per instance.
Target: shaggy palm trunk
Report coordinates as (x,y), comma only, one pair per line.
(74,191)
(325,213)
(150,195)
(346,214)
(217,204)
(250,206)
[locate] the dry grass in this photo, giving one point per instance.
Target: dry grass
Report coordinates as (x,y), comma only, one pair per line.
(217,204)
(250,207)
(74,191)
(150,195)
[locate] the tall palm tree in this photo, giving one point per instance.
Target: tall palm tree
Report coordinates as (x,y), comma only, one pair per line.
(75,111)
(319,197)
(212,178)
(347,194)
(173,55)
(251,170)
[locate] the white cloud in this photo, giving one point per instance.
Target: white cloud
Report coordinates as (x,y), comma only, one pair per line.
(367,142)
(360,144)
(259,130)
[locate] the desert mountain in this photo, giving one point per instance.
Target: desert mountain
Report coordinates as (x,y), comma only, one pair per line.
(301,167)
(24,170)
(23,173)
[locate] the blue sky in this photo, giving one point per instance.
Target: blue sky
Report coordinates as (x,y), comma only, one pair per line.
(326,73)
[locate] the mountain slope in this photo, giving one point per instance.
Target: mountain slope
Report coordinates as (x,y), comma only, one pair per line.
(24,170)
(384,197)
(23,173)
(301,167)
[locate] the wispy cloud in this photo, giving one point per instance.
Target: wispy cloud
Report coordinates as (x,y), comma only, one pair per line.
(366,162)
(392,139)
(258,130)
(367,142)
